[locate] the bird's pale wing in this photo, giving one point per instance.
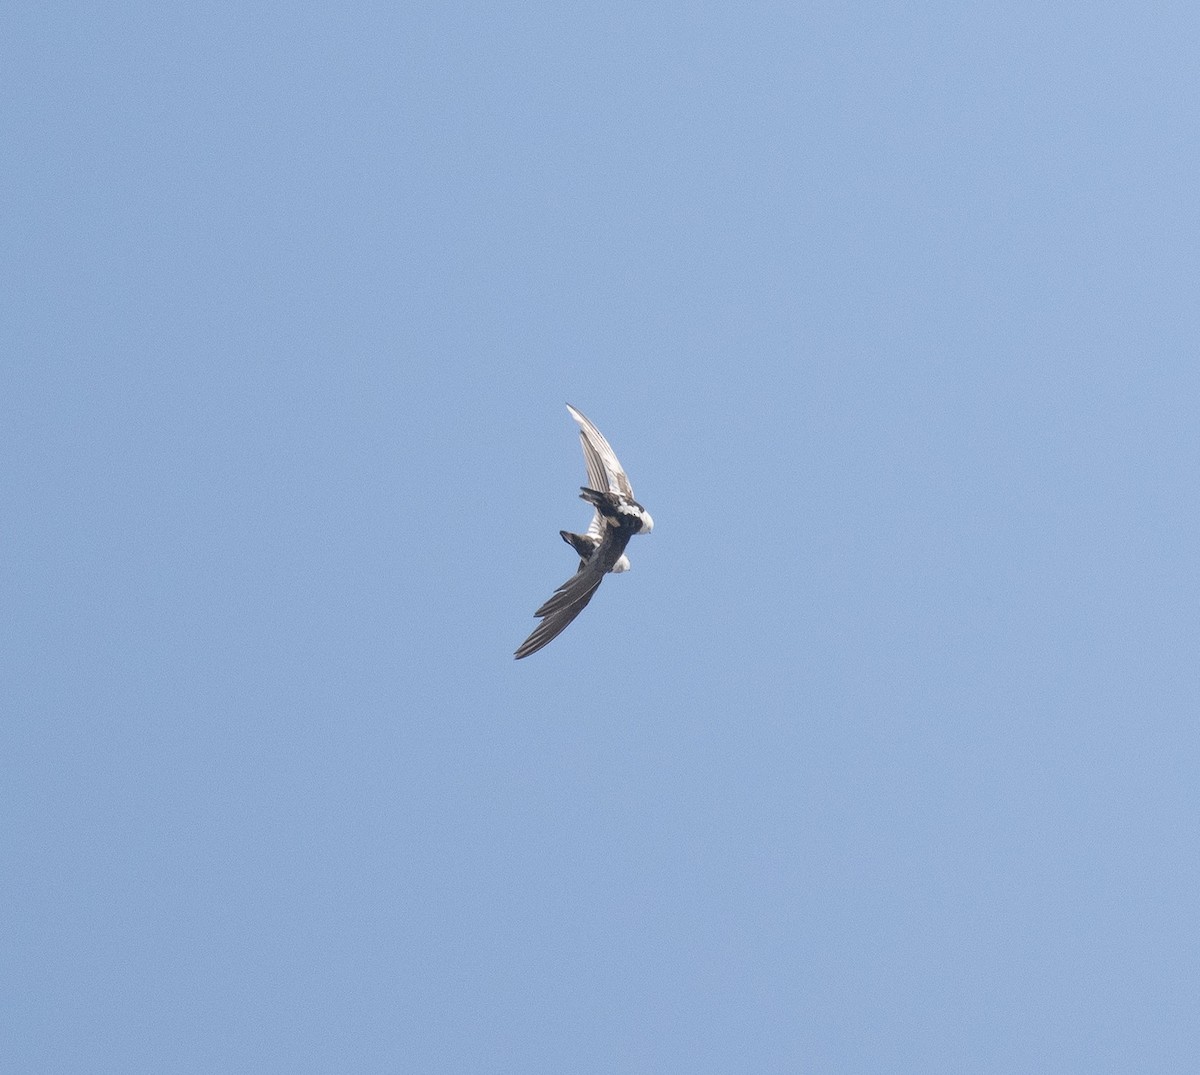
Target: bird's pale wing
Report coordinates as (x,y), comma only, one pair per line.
(597,472)
(604,468)
(567,602)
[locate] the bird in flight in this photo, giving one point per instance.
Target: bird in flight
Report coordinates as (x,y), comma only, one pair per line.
(617,517)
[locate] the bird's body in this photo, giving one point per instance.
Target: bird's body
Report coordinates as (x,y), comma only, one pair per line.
(617,517)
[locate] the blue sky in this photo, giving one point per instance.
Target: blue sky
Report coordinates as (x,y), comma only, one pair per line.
(883,757)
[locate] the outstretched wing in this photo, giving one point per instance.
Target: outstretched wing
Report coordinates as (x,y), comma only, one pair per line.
(567,602)
(605,472)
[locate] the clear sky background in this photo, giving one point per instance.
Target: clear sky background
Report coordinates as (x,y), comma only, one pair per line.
(883,758)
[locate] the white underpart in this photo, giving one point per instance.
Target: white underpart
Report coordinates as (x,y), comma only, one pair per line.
(621,565)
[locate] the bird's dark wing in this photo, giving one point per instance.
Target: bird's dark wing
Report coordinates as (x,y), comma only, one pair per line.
(567,602)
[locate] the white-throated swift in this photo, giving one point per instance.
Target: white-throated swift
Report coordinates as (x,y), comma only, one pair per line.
(617,517)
